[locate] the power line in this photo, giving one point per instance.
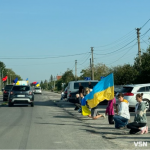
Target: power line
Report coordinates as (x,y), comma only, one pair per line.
(85,60)
(117,40)
(40,64)
(114,53)
(47,57)
(145,23)
(118,49)
(145,33)
(145,41)
(122,55)
(119,44)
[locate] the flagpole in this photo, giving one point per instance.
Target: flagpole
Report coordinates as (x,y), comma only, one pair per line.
(0,79)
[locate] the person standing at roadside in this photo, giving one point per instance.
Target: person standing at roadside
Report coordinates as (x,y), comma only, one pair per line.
(81,89)
(123,115)
(110,110)
(140,120)
(90,85)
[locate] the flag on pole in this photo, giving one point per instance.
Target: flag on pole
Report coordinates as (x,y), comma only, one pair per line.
(15,80)
(104,90)
(5,78)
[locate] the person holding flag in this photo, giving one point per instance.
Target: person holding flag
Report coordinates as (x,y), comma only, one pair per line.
(104,89)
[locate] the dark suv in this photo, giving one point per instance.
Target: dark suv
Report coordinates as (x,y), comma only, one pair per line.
(21,94)
(6,92)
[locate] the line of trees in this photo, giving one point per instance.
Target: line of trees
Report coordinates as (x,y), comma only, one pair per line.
(11,74)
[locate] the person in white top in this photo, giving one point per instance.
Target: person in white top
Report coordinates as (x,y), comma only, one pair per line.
(123,115)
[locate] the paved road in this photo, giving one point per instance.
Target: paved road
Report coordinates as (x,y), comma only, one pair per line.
(46,126)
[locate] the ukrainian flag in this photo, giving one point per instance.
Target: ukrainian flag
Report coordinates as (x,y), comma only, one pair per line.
(27,80)
(37,85)
(104,89)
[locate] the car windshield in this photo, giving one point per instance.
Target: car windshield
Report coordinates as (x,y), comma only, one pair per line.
(84,84)
(126,89)
(21,88)
(8,87)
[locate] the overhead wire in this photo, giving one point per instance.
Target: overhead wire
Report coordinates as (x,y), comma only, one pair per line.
(108,55)
(117,40)
(118,44)
(145,23)
(85,60)
(122,55)
(117,49)
(44,57)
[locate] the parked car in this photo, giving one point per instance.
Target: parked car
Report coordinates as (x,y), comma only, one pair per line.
(64,94)
(130,92)
(37,90)
(72,98)
(6,92)
(21,94)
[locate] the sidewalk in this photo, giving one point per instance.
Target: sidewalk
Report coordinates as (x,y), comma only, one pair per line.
(108,132)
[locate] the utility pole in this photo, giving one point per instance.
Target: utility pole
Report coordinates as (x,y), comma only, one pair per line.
(0,78)
(54,82)
(10,78)
(139,48)
(92,63)
(91,68)
(7,78)
(75,70)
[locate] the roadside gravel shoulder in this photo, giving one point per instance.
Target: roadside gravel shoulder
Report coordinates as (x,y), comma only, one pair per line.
(108,132)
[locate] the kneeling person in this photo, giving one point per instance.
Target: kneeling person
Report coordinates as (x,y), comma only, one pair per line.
(121,119)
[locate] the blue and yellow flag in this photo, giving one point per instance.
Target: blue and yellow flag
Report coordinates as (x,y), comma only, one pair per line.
(26,79)
(104,90)
(37,85)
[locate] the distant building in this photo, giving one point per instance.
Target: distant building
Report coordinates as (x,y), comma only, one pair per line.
(58,77)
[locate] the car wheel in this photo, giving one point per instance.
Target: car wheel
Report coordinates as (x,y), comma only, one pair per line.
(147,103)
(10,104)
(32,105)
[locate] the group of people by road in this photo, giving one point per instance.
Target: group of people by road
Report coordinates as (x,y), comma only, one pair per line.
(118,114)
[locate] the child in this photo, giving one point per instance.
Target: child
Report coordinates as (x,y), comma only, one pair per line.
(110,110)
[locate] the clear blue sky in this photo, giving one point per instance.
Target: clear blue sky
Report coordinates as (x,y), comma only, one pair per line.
(51,28)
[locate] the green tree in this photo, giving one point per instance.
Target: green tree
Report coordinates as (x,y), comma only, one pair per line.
(125,74)
(66,78)
(99,70)
(143,70)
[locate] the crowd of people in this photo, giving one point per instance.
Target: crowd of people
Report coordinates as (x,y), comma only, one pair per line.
(118,115)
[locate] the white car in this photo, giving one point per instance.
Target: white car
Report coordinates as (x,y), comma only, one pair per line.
(37,90)
(130,92)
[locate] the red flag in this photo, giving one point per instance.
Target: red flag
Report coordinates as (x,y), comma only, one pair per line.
(34,82)
(4,79)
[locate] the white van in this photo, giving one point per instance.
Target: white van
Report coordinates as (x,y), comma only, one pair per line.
(73,86)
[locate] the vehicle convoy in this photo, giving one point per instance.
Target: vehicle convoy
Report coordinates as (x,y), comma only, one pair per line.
(21,94)
(6,92)
(130,92)
(73,86)
(37,90)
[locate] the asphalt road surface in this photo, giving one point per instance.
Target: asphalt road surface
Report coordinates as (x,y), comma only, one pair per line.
(45,126)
